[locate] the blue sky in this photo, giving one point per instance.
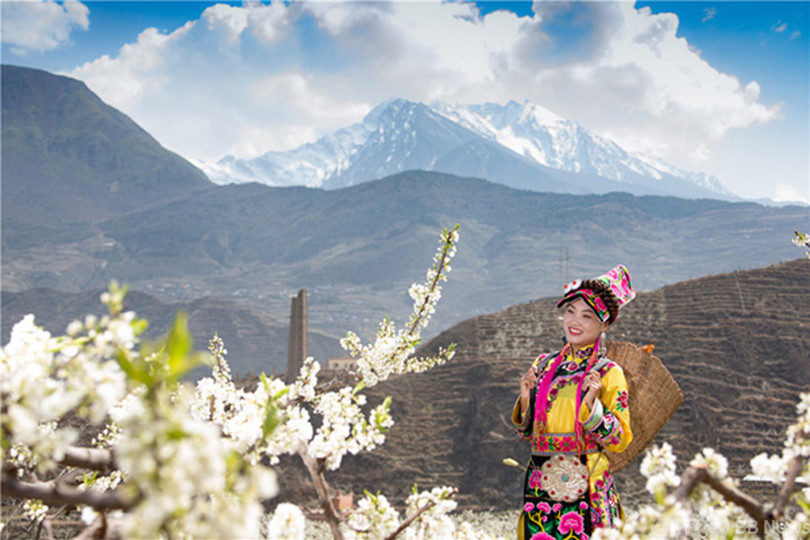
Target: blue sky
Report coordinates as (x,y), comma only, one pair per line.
(717,87)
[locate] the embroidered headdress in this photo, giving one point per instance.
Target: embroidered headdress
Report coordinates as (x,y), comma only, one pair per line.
(604,294)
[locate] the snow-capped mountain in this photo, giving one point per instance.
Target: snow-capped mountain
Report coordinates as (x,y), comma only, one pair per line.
(520,145)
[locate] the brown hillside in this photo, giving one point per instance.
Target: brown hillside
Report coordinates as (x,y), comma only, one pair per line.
(736,343)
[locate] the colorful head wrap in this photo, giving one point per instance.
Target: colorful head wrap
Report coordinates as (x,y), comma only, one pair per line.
(618,283)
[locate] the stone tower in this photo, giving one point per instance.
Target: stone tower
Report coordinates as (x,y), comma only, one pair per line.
(297,348)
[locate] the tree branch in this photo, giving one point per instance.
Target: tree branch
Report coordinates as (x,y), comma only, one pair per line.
(56,494)
(439,269)
(695,475)
(407,523)
(89,458)
(315,469)
(788,488)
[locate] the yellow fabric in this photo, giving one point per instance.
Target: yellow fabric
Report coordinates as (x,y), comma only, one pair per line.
(560,417)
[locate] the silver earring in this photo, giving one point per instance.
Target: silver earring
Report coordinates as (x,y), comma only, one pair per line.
(602,344)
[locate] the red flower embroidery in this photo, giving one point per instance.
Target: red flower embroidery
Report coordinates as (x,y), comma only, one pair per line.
(565,444)
(542,536)
(569,522)
(543,507)
(622,400)
(535,480)
(541,444)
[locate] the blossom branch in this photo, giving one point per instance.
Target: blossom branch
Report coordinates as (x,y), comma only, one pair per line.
(315,468)
(58,494)
(407,523)
(696,475)
(788,488)
(449,237)
(94,459)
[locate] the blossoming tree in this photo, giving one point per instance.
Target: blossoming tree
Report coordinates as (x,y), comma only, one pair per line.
(176,460)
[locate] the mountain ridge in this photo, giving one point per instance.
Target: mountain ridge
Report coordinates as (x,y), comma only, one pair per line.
(536,149)
(62,145)
(357,250)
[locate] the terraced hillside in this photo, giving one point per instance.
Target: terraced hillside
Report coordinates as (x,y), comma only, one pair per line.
(736,343)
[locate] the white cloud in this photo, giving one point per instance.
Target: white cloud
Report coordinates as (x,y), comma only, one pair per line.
(41,26)
(709,14)
(296,91)
(784,192)
(268,22)
(124,80)
(644,79)
(256,77)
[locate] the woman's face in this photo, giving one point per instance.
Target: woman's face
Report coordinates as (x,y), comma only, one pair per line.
(580,324)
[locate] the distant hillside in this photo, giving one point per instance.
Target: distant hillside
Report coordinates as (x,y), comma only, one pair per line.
(89,196)
(358,249)
(70,158)
(736,343)
(256,342)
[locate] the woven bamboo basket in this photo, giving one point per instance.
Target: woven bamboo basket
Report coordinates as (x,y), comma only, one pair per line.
(654,396)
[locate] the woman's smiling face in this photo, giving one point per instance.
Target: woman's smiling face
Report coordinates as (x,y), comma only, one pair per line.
(580,324)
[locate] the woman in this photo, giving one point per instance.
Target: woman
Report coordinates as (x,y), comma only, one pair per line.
(572,406)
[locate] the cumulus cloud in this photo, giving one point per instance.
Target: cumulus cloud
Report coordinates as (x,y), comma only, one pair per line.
(268,22)
(41,25)
(125,79)
(644,78)
(262,77)
(784,192)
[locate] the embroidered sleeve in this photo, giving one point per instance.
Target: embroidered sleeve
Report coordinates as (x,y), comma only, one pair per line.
(609,421)
(524,424)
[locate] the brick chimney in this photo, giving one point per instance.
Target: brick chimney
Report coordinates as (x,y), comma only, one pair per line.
(297,348)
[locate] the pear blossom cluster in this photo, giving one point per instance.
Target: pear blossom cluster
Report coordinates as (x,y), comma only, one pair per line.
(706,514)
(344,429)
(287,523)
(171,459)
(43,378)
(375,517)
(94,373)
(392,351)
(659,468)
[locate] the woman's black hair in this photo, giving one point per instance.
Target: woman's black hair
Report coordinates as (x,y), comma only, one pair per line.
(603,291)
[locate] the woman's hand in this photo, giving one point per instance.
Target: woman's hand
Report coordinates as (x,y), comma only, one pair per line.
(527,383)
(591,385)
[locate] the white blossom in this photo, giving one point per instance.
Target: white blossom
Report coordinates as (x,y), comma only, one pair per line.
(374,517)
(714,462)
(658,466)
(287,523)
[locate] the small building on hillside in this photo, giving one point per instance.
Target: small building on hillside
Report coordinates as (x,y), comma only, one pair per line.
(343,363)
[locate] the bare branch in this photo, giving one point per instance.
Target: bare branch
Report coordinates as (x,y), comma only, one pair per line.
(407,523)
(103,527)
(94,459)
(689,481)
(788,488)
(56,494)
(700,474)
(752,507)
(315,468)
